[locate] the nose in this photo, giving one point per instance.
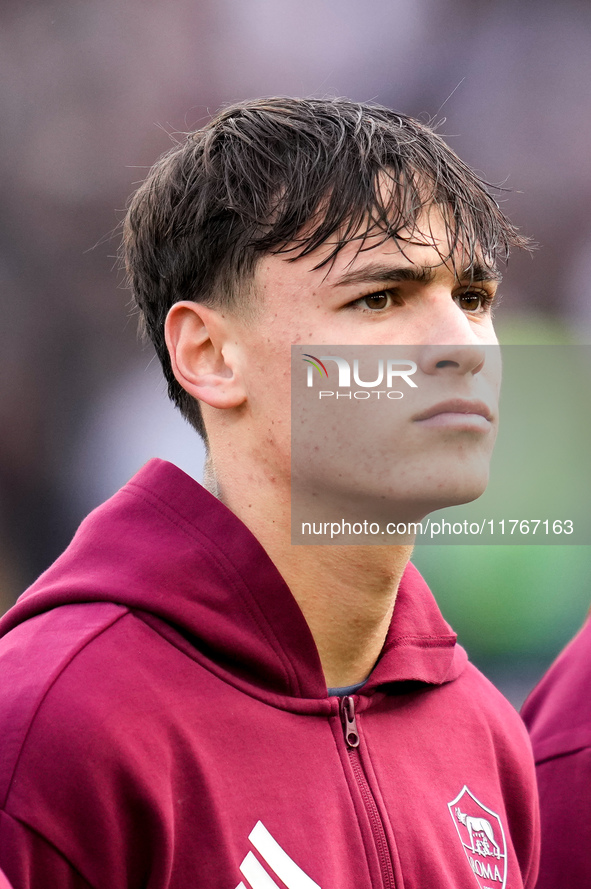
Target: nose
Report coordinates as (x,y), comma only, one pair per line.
(458,359)
(449,342)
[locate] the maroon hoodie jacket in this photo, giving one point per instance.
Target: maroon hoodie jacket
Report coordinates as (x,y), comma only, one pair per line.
(165,723)
(558,715)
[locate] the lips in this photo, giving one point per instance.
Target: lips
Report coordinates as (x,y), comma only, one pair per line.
(456,406)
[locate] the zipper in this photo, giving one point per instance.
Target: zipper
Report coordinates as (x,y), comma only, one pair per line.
(349,722)
(351,733)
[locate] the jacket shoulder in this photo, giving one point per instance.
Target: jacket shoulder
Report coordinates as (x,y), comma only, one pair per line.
(558,711)
(32,658)
(490,706)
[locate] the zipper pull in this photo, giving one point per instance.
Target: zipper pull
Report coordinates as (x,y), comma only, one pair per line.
(349,724)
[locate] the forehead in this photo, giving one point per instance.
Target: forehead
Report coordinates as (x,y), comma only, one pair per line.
(423,254)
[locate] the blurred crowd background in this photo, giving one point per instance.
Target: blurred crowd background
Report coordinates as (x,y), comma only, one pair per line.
(91,91)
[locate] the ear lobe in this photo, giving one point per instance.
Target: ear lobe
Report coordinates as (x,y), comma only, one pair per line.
(203,355)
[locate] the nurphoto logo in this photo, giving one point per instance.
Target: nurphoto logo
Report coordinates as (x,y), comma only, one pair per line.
(388,372)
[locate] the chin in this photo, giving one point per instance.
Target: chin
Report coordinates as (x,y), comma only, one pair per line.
(455,494)
(404,496)
(418,501)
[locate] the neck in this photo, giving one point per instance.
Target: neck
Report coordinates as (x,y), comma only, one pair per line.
(346,593)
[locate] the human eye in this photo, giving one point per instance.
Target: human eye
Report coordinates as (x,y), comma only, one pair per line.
(474,301)
(375,302)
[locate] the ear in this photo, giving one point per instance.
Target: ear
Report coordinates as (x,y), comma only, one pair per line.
(204,355)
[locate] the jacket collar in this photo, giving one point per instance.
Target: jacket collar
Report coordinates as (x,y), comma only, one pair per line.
(164,545)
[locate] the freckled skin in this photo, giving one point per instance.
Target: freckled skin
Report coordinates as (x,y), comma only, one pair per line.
(346,593)
(308,307)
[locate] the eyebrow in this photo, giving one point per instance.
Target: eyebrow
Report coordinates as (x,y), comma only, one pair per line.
(375,272)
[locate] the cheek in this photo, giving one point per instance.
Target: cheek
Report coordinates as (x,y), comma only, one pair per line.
(494,371)
(268,393)
(487,334)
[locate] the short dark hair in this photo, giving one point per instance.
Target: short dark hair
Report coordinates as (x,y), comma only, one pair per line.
(285,175)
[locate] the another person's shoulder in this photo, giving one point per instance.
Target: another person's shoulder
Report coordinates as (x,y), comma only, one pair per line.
(558,716)
(558,711)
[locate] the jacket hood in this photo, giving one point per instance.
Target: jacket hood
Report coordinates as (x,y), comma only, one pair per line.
(165,546)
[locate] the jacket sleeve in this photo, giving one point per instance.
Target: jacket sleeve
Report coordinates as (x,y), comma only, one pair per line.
(565,799)
(526,827)
(31,862)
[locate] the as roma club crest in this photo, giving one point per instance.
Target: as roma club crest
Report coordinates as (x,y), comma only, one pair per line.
(481,834)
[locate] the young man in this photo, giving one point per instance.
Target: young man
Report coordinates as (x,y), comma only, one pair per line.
(188,699)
